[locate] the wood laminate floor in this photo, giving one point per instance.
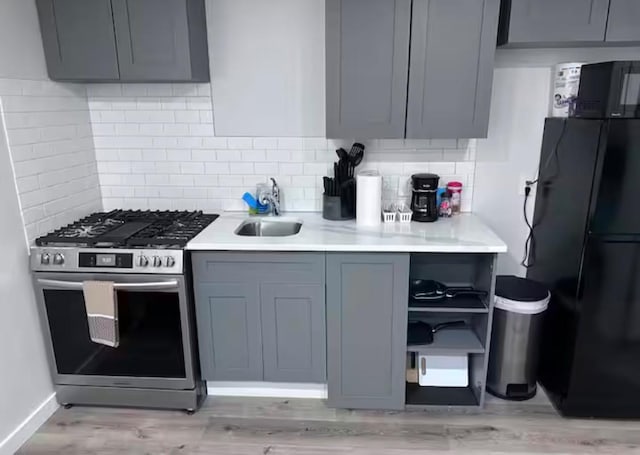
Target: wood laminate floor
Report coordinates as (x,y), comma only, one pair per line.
(259,426)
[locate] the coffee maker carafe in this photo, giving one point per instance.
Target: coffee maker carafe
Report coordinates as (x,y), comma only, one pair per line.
(424,204)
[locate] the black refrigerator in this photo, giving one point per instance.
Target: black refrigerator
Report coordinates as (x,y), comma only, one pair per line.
(586,248)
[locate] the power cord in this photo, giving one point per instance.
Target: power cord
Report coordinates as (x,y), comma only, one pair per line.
(529,258)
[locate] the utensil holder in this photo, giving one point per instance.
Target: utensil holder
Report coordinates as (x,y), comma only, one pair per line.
(338,208)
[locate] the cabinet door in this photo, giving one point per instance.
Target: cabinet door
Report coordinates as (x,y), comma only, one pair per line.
(367,298)
(452,57)
(367,61)
(153,39)
(293,332)
(229,332)
(556,21)
(624,21)
(78,39)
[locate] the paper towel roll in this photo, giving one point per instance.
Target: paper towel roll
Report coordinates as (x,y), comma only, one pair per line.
(369,198)
(565,89)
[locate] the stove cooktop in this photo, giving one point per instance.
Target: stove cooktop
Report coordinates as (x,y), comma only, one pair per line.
(130,229)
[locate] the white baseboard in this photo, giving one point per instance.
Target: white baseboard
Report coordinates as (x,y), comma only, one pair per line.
(29,426)
(266,389)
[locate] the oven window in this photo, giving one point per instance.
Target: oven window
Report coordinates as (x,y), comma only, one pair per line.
(150,336)
(631,90)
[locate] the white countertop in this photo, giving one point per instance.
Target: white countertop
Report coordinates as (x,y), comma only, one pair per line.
(464,233)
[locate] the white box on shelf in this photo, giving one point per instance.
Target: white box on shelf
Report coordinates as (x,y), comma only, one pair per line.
(443,370)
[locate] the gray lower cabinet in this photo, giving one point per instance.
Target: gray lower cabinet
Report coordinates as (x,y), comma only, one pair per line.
(78,39)
(367,62)
(624,21)
(293,332)
(229,331)
(531,23)
(261,316)
(125,40)
(367,299)
(451,74)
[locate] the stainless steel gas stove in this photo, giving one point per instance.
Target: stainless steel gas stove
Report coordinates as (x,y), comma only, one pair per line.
(142,253)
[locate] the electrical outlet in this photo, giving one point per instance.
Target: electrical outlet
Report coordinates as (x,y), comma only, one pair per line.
(522,184)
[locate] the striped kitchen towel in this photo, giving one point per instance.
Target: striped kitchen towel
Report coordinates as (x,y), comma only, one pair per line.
(101,304)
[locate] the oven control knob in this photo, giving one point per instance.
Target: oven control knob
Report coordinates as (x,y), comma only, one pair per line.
(45,259)
(157,261)
(169,261)
(58,259)
(143,261)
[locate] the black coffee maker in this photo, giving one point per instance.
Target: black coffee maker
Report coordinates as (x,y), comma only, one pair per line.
(424,201)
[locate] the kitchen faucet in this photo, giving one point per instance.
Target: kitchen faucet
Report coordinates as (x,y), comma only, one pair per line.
(271,198)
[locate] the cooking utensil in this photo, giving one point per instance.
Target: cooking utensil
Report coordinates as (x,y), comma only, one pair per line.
(356,154)
(420,332)
(342,154)
(434,291)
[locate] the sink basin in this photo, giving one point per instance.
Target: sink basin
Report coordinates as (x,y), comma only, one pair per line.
(268,228)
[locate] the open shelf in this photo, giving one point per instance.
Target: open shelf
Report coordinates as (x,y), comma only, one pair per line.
(451,341)
(462,304)
(440,396)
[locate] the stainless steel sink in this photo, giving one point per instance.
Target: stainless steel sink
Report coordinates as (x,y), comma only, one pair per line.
(268,228)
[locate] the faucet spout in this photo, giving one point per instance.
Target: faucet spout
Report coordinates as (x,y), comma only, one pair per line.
(271,198)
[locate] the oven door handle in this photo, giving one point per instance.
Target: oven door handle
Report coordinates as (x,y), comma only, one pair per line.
(172,284)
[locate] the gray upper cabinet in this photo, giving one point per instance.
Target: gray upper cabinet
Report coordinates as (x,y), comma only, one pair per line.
(451,74)
(78,39)
(420,69)
(539,23)
(367,297)
(624,21)
(161,40)
(293,332)
(125,40)
(367,62)
(229,331)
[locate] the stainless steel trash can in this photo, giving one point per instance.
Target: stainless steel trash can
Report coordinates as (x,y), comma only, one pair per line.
(515,337)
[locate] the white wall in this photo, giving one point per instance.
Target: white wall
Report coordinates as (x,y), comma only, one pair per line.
(48,126)
(510,153)
(21,54)
(266,58)
(24,375)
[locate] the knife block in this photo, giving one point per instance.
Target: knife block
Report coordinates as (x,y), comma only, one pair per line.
(339,208)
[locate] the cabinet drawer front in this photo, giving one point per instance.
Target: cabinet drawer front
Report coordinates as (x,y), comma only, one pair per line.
(293,332)
(229,332)
(263,267)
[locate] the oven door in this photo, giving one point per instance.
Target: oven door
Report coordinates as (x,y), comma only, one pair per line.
(155,349)
(626,90)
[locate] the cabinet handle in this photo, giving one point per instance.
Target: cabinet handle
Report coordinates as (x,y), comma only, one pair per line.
(423,366)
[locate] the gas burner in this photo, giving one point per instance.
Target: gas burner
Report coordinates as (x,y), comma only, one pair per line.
(131,229)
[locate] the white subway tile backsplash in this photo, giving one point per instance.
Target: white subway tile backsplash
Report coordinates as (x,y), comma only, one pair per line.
(278,155)
(291,168)
(237,168)
(179,163)
(290,143)
(265,142)
(192,168)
